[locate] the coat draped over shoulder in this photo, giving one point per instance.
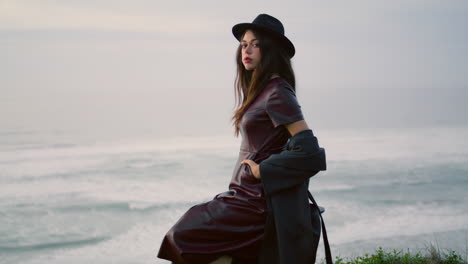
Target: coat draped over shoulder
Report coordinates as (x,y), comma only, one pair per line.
(290,237)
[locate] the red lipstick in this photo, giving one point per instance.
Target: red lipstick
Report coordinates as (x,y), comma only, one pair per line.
(247,59)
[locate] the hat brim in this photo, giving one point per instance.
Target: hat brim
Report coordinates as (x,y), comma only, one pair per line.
(239,29)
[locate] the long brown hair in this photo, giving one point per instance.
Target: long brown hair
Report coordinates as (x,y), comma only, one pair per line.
(249,84)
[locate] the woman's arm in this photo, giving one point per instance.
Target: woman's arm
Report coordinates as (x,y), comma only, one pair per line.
(296,127)
(293,129)
(301,159)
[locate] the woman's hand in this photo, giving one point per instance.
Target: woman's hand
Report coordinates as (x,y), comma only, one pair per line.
(254,167)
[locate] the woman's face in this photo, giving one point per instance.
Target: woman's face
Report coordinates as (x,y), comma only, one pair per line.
(250,49)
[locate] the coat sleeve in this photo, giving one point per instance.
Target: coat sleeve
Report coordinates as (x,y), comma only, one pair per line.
(301,159)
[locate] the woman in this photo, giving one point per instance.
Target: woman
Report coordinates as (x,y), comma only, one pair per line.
(268,114)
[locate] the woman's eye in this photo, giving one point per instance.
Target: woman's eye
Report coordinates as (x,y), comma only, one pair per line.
(256,45)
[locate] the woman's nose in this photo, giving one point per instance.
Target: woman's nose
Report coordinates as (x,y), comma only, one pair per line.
(248,49)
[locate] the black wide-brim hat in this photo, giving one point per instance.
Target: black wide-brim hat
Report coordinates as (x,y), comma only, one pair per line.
(271,26)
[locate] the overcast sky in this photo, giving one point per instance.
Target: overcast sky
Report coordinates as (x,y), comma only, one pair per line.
(167,67)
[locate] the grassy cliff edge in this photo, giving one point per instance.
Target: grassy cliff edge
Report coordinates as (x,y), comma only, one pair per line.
(431,255)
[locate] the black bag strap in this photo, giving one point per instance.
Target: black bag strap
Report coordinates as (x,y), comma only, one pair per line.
(326,245)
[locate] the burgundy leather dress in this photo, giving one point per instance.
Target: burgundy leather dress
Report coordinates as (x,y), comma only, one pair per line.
(233,222)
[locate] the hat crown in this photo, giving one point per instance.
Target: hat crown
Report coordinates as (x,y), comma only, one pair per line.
(270,22)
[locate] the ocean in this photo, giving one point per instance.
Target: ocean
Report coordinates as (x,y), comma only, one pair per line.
(64,200)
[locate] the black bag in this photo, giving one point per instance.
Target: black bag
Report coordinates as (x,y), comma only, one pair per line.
(317,225)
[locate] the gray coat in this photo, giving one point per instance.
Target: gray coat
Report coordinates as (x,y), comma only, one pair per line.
(291,231)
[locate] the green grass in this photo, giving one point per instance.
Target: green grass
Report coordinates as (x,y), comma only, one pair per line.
(431,255)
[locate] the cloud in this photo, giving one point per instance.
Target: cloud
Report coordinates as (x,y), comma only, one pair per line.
(18,15)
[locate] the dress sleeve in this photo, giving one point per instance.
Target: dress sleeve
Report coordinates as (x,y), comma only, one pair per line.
(282,106)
